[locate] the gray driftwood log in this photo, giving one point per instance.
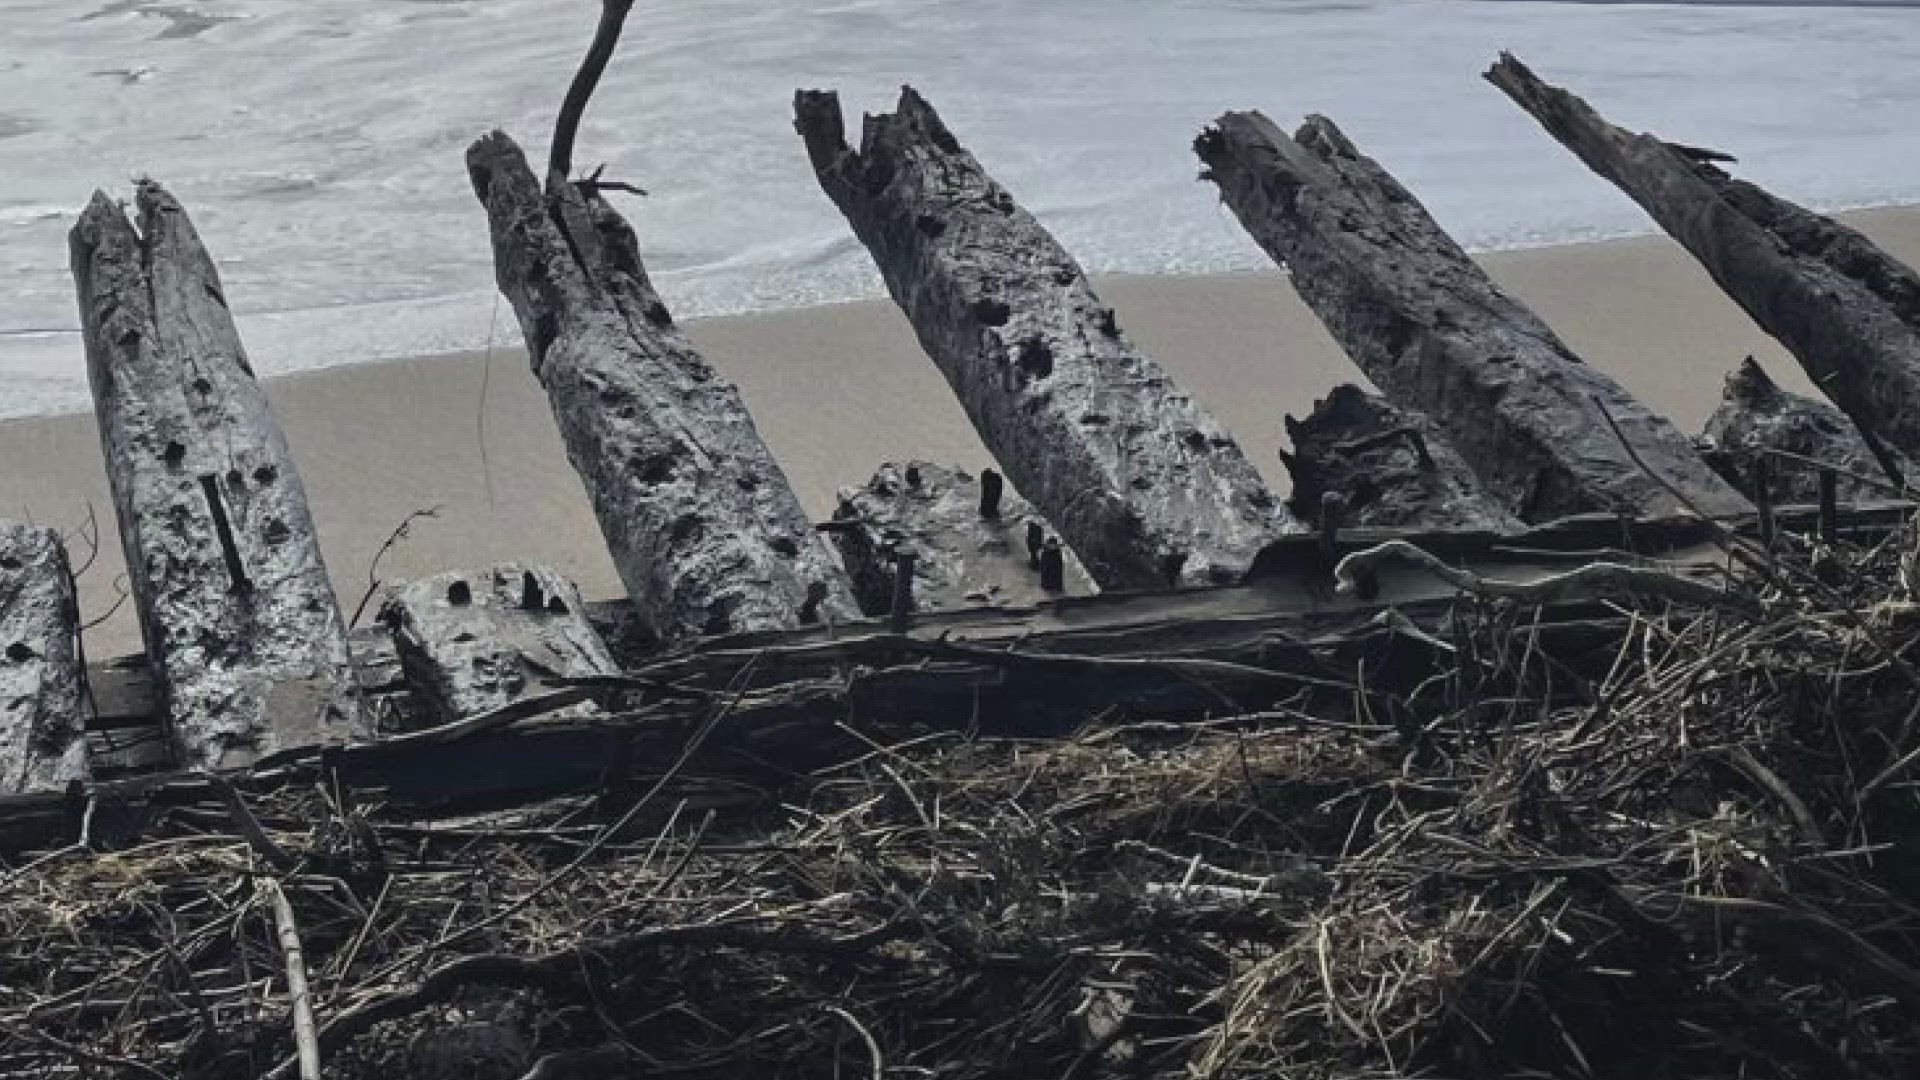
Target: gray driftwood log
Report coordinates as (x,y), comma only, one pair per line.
(962,557)
(1142,482)
(233,597)
(1849,312)
(43,687)
(471,643)
(1756,417)
(1386,467)
(704,529)
(1435,334)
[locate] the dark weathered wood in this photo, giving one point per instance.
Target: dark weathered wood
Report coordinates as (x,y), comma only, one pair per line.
(470,643)
(1438,337)
(1143,483)
(1388,467)
(1847,311)
(962,558)
(43,688)
(220,548)
(1799,435)
(704,528)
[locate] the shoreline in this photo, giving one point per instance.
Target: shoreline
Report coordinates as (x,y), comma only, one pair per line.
(838,389)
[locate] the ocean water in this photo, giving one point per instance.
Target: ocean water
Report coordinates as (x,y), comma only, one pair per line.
(318,143)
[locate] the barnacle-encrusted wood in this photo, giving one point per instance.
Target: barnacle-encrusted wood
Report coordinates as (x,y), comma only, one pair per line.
(1388,466)
(43,692)
(470,643)
(704,528)
(1756,416)
(962,557)
(239,618)
(1142,482)
(1848,311)
(1435,334)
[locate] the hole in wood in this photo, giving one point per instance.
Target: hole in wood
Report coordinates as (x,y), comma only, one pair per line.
(202,387)
(265,474)
(459,594)
(174,454)
(277,532)
(20,652)
(223,530)
(785,546)
(1036,358)
(556,606)
(991,311)
(532,596)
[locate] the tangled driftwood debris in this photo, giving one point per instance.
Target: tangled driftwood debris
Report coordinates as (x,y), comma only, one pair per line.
(1430,791)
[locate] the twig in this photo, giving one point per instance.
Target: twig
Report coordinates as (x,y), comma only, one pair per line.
(398,534)
(613,16)
(304,1037)
(874,1056)
(1602,579)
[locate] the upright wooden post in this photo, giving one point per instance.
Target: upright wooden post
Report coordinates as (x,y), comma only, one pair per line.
(1438,338)
(703,526)
(1848,311)
(241,624)
(1142,482)
(43,688)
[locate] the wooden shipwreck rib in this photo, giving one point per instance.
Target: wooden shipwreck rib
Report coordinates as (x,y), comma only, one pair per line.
(1434,333)
(1367,463)
(705,530)
(1849,312)
(240,620)
(1141,481)
(43,689)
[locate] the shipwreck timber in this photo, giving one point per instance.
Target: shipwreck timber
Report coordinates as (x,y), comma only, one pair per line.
(471,643)
(1142,482)
(705,530)
(1433,332)
(972,542)
(1763,431)
(43,687)
(1846,310)
(1383,466)
(239,618)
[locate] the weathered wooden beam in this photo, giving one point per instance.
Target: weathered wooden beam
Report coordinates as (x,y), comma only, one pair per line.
(1438,337)
(1849,312)
(1386,467)
(703,526)
(1797,434)
(43,686)
(1142,482)
(470,643)
(220,548)
(962,557)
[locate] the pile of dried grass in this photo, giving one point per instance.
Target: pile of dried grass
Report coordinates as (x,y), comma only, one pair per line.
(1703,867)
